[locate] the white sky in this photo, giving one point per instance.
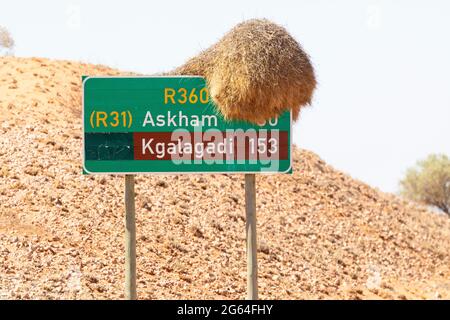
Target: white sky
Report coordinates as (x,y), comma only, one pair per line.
(383,67)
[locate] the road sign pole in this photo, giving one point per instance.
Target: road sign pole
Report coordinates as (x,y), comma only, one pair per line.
(130,239)
(250,211)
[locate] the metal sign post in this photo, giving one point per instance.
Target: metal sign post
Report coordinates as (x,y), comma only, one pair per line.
(130,240)
(250,231)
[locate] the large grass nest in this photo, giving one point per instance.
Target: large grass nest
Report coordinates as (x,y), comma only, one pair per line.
(255,72)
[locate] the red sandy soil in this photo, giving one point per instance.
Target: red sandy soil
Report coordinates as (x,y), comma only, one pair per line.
(321,233)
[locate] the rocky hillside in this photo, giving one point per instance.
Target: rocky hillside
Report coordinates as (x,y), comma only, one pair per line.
(321,233)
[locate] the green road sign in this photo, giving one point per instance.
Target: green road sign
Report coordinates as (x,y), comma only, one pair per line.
(170,125)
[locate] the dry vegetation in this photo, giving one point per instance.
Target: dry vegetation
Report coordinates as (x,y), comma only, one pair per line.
(321,233)
(255,72)
(6,40)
